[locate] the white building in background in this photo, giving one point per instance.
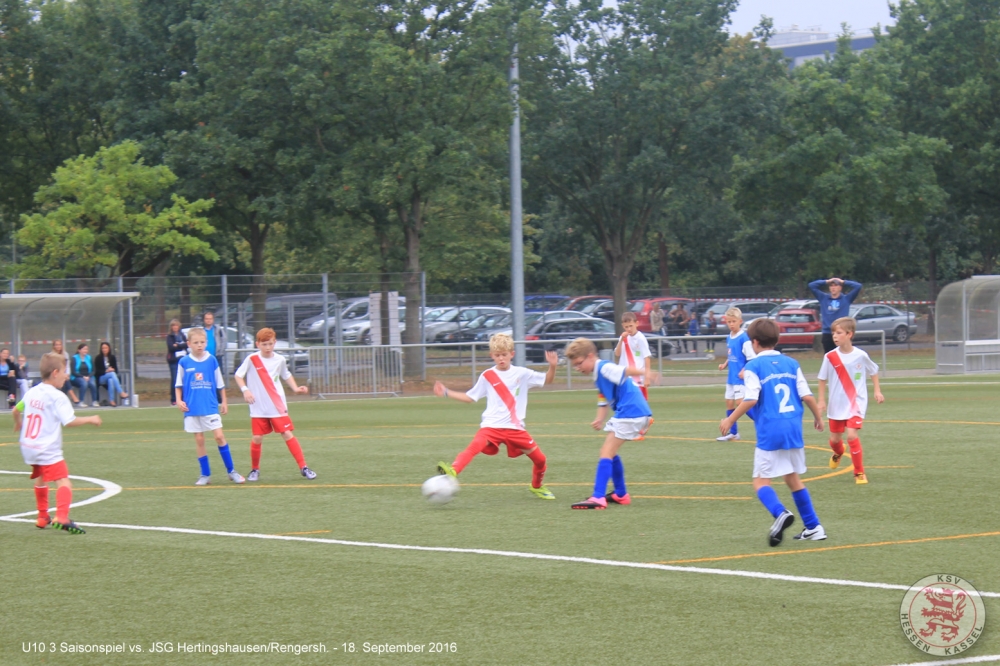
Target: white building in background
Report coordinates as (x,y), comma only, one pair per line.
(800,45)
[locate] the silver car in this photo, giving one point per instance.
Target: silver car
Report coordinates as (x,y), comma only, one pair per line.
(871,318)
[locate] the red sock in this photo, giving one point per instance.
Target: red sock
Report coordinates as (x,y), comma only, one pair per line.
(296,451)
(474,448)
(838,447)
(42,501)
(538,473)
(856,456)
(64,497)
(254,456)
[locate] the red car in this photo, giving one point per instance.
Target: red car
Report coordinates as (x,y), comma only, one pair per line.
(643,307)
(792,322)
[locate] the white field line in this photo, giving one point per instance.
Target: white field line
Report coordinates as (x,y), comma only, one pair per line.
(112,489)
(947,662)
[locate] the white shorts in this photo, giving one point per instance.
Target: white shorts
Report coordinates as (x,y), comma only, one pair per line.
(772,464)
(202,423)
(627,429)
(735,391)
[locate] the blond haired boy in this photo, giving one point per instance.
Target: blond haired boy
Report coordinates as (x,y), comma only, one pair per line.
(46,409)
(846,368)
(630,419)
(258,378)
(505,388)
(632,351)
(740,351)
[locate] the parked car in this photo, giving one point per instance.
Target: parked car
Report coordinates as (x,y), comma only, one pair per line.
(451,319)
(505,324)
(493,321)
(543,302)
(751,310)
(898,325)
(578,303)
(555,335)
(797,321)
(804,304)
(644,307)
(312,328)
(304,306)
(296,359)
(603,309)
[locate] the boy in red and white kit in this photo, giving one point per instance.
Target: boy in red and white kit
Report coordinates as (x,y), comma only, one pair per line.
(258,378)
(632,351)
(505,388)
(46,409)
(847,368)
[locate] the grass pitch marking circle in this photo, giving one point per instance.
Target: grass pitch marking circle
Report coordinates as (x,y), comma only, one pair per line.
(942,614)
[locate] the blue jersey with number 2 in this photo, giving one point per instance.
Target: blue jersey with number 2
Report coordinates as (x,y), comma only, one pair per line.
(778,412)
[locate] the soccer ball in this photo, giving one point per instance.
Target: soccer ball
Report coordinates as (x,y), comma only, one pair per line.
(440,489)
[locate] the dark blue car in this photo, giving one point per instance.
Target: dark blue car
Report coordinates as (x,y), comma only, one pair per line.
(543,302)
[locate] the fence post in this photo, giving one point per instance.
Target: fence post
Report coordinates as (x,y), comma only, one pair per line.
(326,328)
(291,325)
(374,372)
(224,285)
(423,340)
(659,354)
(473,363)
(131,355)
(885,368)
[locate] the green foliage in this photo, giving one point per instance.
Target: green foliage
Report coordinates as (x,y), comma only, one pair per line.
(108,211)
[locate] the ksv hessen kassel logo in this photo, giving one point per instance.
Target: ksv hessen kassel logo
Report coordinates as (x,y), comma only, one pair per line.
(942,614)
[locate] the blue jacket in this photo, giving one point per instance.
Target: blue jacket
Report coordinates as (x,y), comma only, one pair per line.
(831,309)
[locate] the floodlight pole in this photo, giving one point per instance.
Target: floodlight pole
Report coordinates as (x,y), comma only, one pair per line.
(516,228)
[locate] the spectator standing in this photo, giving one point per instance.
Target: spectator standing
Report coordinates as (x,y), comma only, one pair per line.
(693,329)
(67,387)
(8,377)
(711,326)
(82,374)
(216,340)
(106,373)
(656,319)
(177,347)
(834,305)
(22,374)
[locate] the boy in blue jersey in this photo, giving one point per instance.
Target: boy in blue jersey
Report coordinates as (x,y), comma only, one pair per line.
(632,418)
(740,351)
(197,387)
(834,305)
(775,392)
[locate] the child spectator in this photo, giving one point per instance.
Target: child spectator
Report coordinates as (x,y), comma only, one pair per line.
(198,382)
(45,411)
(847,368)
(711,328)
(775,392)
(106,373)
(834,305)
(693,328)
(22,374)
(82,374)
(505,388)
(268,412)
(631,418)
(632,351)
(740,351)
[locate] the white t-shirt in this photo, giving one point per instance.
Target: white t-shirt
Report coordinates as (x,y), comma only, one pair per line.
(263,407)
(46,411)
(859,366)
(517,380)
(640,352)
(752,382)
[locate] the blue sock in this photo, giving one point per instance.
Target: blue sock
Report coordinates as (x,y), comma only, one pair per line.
(618,476)
(734,429)
(770,500)
(601,479)
(227,458)
(203,461)
(805,506)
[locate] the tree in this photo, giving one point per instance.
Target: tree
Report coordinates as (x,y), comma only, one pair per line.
(108,211)
(642,96)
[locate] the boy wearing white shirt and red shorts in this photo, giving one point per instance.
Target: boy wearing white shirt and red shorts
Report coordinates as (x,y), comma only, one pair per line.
(632,351)
(46,409)
(258,378)
(505,388)
(847,368)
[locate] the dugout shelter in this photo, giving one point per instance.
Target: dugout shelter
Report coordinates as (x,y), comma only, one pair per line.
(967,331)
(35,320)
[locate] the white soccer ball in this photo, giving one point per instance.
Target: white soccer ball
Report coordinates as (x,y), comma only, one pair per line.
(440,489)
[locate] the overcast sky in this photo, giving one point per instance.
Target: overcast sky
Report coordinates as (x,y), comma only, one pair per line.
(828,14)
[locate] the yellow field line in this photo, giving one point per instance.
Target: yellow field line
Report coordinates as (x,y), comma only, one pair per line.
(829,548)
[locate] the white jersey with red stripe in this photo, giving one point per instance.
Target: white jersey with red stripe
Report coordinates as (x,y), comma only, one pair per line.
(639,348)
(859,366)
(46,411)
(517,380)
(263,406)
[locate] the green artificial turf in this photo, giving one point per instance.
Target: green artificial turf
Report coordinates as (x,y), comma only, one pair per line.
(931,453)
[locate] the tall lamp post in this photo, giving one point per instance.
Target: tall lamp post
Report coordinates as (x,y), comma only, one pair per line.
(516,231)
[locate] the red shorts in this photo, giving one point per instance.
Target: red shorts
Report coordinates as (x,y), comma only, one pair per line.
(839,426)
(52,472)
(265,426)
(517,441)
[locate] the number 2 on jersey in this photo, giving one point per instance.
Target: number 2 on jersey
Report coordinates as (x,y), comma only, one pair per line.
(34,425)
(786,393)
